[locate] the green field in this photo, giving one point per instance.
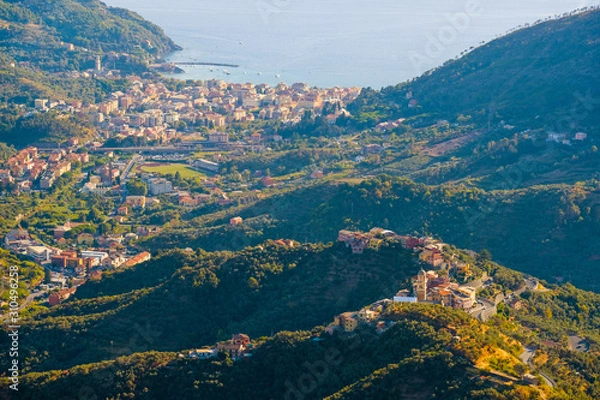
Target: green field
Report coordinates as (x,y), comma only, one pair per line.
(164,169)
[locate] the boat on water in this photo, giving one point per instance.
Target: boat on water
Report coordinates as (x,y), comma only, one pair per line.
(226,72)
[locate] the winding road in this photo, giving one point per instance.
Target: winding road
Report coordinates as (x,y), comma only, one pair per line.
(27,301)
(527,357)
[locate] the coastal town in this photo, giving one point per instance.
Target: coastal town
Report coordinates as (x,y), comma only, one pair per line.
(166,124)
(157,148)
(148,112)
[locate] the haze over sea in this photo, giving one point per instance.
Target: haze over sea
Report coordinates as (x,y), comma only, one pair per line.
(334,42)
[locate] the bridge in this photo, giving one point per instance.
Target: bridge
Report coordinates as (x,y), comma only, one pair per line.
(147,150)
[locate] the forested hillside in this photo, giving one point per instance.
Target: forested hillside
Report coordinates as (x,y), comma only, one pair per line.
(545,76)
(429,351)
(41,42)
(537,230)
(200,298)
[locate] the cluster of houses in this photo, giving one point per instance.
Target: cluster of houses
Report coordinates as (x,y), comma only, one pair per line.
(79,264)
(103,178)
(428,286)
(429,250)
(20,242)
(349,321)
(60,296)
(359,241)
(152,111)
(388,125)
(238,347)
(28,170)
(565,138)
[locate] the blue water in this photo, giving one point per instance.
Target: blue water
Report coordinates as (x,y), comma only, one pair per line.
(333,42)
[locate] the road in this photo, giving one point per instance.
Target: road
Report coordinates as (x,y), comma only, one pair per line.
(145,149)
(27,301)
(135,159)
(488,311)
(579,344)
(527,357)
(478,283)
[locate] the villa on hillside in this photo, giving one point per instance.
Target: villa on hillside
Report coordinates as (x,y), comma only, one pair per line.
(60,296)
(238,347)
(359,241)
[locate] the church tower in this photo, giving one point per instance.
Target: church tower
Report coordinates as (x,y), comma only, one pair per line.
(420,286)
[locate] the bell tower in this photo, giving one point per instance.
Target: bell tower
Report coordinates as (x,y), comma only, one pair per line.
(420,286)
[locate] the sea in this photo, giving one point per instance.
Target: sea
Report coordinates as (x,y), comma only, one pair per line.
(328,43)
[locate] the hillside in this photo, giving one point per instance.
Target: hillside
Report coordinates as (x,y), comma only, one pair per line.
(481,294)
(200,298)
(30,275)
(416,357)
(537,230)
(44,43)
(429,351)
(33,28)
(544,76)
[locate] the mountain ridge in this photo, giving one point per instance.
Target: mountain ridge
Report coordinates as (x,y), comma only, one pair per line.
(548,67)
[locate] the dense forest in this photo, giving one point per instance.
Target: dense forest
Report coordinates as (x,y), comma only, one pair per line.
(537,230)
(429,351)
(203,297)
(417,351)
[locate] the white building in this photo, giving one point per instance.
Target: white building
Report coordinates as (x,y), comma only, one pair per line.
(158,186)
(404,296)
(98,255)
(39,253)
(207,165)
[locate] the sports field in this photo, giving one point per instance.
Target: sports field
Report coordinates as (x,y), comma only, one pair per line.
(167,168)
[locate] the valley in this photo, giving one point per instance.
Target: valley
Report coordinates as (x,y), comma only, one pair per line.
(167,238)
